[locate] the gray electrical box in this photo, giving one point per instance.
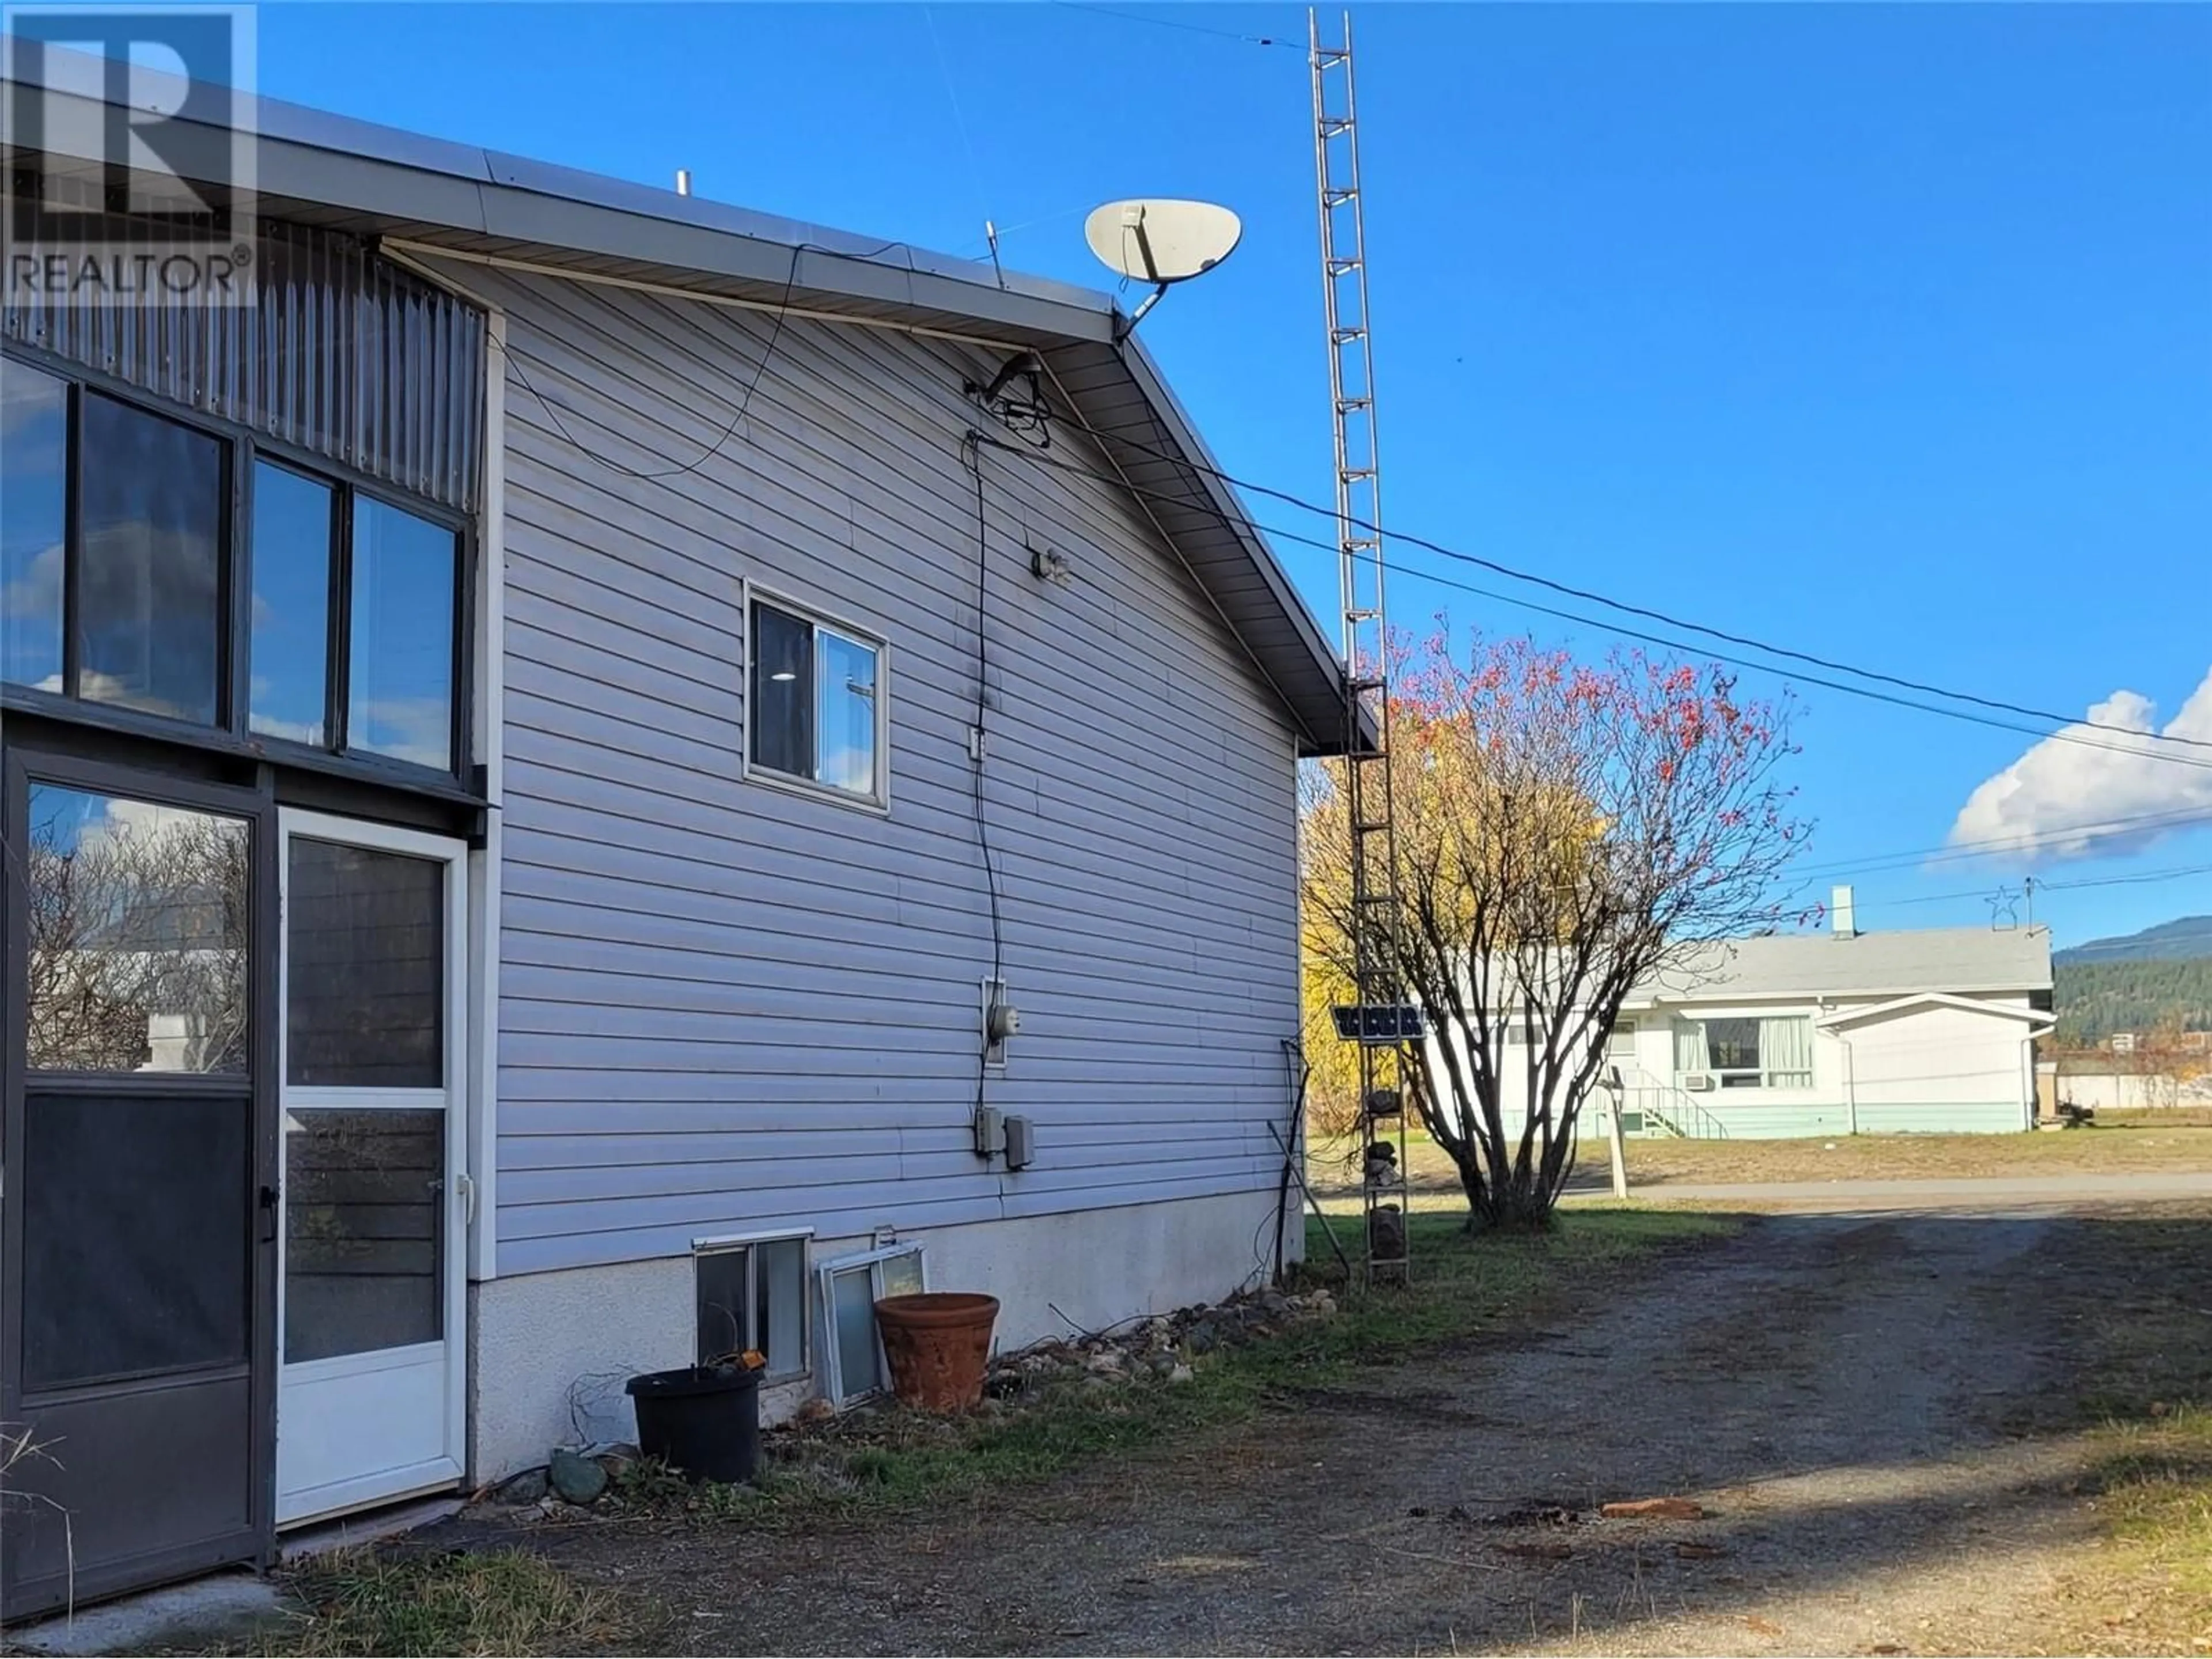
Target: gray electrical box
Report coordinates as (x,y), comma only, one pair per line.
(990,1131)
(1021,1143)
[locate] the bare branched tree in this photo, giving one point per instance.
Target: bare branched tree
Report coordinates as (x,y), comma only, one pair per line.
(1563,833)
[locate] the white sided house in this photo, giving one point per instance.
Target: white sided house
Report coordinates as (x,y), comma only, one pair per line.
(616,704)
(1923,1031)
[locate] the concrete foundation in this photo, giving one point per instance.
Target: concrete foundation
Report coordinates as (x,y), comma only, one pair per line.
(549,1353)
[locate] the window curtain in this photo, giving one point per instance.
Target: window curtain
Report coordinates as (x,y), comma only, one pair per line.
(1786,1049)
(1689,1047)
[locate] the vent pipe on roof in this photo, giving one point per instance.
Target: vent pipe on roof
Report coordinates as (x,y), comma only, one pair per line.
(683,182)
(1840,918)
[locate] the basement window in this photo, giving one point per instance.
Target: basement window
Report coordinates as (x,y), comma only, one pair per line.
(817,715)
(851,1287)
(753,1296)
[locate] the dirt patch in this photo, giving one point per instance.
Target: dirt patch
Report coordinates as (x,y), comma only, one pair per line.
(1881,1421)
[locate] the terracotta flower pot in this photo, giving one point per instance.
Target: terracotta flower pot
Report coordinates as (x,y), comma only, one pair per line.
(938,1343)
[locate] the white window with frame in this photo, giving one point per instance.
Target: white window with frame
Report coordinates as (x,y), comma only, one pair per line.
(852,1356)
(1746,1052)
(818,716)
(752,1296)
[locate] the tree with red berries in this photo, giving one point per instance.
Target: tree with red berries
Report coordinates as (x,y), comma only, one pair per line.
(1563,833)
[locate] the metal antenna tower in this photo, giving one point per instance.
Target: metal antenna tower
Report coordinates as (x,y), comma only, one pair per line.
(1366,772)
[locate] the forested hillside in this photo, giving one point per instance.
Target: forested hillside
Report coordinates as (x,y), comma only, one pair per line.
(2095,999)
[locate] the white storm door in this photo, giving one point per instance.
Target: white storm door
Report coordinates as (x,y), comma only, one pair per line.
(370,1355)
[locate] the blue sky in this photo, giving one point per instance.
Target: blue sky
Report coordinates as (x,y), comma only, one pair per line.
(1881,332)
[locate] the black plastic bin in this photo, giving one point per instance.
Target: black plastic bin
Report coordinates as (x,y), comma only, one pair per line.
(703,1421)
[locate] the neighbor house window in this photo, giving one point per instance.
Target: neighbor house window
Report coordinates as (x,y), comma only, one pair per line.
(816,713)
(753,1297)
(1773,1053)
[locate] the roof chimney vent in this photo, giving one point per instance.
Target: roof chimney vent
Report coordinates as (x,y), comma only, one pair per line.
(683,182)
(1840,917)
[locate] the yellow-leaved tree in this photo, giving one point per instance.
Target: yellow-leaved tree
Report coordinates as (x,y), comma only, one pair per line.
(1562,832)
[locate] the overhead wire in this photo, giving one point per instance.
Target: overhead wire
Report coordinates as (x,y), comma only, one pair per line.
(2023,840)
(1593,597)
(2023,843)
(1184,500)
(2041,886)
(1180,23)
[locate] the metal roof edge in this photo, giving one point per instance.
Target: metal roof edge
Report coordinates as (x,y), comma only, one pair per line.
(317,157)
(300,127)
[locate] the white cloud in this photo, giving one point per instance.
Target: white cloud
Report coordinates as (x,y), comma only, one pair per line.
(2064,799)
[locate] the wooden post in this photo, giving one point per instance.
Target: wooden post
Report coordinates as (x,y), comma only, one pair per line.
(1617,1145)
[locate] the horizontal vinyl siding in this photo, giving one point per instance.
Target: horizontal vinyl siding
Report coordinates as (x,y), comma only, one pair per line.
(726,1007)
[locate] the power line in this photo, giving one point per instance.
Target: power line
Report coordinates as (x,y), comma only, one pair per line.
(1986,893)
(1590,596)
(1183,501)
(1178,23)
(2024,841)
(2127,881)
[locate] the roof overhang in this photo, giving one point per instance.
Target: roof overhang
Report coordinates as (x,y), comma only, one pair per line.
(2033,1017)
(330,170)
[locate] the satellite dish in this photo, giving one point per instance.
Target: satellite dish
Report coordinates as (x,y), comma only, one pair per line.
(1161,241)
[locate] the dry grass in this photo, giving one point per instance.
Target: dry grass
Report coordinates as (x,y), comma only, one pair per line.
(366,1601)
(2153,1591)
(2137,1299)
(2119,1143)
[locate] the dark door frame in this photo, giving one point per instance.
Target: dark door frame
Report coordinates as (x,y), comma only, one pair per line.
(23,759)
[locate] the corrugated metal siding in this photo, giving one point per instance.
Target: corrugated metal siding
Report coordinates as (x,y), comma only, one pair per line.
(345,354)
(726,1007)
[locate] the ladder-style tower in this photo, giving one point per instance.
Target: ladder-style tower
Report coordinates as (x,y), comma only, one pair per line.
(1366,773)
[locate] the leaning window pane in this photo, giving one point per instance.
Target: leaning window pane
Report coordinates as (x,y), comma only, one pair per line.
(846,718)
(34,498)
(399,684)
(149,619)
(288,665)
(138,919)
(782,687)
(852,1298)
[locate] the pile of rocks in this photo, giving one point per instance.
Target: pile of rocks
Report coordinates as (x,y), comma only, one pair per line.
(569,1477)
(1159,1348)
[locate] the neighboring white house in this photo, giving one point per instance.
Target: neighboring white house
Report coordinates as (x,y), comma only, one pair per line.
(1839,1033)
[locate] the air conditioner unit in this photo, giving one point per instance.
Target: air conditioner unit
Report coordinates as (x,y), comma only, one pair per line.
(1697,1083)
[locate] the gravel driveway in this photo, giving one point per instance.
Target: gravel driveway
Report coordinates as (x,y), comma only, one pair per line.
(1848,1397)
